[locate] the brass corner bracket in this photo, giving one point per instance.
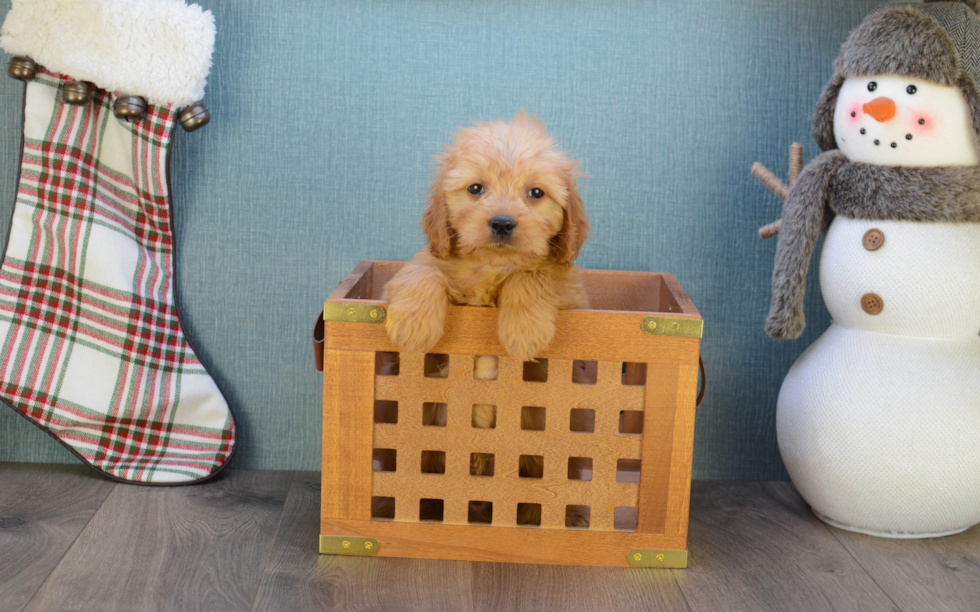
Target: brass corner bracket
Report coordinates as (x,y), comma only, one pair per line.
(354,313)
(668,559)
(656,325)
(348,545)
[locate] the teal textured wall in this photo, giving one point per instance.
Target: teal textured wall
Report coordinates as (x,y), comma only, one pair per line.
(326,115)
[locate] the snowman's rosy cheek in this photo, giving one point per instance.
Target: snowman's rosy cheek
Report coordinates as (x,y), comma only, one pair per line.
(921,123)
(854,113)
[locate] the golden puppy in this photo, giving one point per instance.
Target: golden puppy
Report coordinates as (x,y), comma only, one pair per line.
(504,224)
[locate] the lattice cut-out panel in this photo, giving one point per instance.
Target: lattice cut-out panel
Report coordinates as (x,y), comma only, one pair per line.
(540,445)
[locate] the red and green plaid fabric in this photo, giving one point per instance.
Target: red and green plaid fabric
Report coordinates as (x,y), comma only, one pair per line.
(92,348)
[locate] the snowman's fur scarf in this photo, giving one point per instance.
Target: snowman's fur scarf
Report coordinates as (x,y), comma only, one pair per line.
(157,49)
(832,185)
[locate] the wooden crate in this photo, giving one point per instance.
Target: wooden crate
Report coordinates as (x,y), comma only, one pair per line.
(638,515)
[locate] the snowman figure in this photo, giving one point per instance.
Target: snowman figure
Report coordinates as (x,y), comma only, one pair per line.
(878,421)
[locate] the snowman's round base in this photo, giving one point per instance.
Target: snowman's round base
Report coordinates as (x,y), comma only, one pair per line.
(897,535)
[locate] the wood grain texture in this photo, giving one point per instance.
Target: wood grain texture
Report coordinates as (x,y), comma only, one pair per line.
(348,425)
(198,547)
(500,587)
(299,578)
(936,574)
(43,508)
(758,547)
(580,334)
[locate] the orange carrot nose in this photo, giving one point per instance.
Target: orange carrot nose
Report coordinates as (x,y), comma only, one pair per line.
(882,109)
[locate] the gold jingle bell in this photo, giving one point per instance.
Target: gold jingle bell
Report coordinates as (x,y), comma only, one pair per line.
(194,117)
(130,108)
(77,92)
(21,67)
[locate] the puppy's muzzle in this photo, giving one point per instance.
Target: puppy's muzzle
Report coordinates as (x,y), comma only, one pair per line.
(502,226)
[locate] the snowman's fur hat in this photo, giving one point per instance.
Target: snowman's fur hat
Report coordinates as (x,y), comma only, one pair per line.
(933,41)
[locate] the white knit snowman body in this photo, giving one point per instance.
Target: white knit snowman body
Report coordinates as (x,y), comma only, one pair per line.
(878,420)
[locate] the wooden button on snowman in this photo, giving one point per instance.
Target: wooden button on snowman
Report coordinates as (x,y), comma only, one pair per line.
(879,420)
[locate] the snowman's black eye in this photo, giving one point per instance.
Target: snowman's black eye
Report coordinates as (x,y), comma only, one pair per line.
(475,189)
(911,89)
(536,193)
(872,86)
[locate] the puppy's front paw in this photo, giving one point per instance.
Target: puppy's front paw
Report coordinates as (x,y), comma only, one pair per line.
(524,336)
(415,329)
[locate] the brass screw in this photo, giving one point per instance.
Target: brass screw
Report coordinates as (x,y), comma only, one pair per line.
(345,544)
(374,314)
(637,557)
(350,312)
(368,545)
(652,324)
(675,325)
(660,557)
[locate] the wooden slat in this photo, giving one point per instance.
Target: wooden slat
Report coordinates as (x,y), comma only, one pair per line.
(509,586)
(43,508)
(581,334)
(662,391)
(936,574)
(348,427)
(752,550)
(197,547)
(502,544)
(682,452)
(297,577)
(357,284)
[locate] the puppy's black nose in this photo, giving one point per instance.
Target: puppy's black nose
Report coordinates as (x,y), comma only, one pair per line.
(502,226)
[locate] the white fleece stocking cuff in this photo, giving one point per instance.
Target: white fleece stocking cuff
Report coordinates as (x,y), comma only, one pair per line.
(157,49)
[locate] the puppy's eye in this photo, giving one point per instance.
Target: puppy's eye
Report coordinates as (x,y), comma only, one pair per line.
(475,189)
(872,86)
(535,193)
(911,89)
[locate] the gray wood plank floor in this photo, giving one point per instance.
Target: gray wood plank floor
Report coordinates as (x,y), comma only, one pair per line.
(248,541)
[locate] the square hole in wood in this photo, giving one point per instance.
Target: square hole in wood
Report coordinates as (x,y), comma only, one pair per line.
(383,508)
(529,514)
(484,416)
(628,470)
(635,374)
(630,421)
(582,420)
(486,367)
(384,460)
(625,518)
(434,414)
(585,372)
(385,411)
(385,363)
(481,464)
(580,468)
(531,466)
(436,365)
(480,512)
(433,462)
(536,371)
(431,510)
(532,418)
(577,516)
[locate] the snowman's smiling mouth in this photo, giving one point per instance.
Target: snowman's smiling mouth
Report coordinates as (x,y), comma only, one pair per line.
(877,141)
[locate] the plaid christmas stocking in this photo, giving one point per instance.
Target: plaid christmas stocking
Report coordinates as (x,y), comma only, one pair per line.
(91,344)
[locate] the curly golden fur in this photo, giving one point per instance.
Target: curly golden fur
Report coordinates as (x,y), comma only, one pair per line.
(510,170)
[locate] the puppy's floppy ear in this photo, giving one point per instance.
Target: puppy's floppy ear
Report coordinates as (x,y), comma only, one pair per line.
(575,228)
(435,222)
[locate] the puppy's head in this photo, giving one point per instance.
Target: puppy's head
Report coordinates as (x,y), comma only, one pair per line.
(505,188)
